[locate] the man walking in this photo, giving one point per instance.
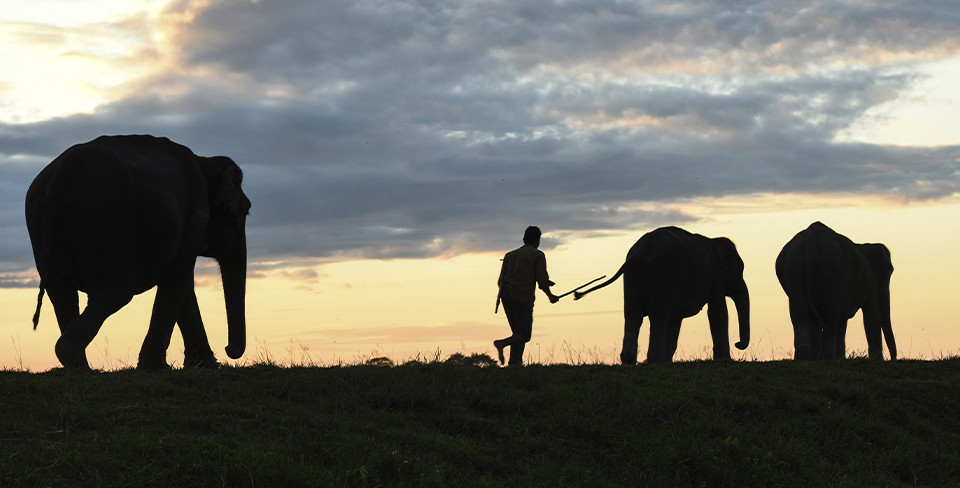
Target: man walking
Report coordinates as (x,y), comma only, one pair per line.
(522,268)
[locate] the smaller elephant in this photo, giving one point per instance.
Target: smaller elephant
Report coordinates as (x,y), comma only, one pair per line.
(670,274)
(827,278)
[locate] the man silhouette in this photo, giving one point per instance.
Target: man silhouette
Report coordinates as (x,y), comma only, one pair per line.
(522,268)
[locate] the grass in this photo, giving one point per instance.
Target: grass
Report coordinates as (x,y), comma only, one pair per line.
(459,422)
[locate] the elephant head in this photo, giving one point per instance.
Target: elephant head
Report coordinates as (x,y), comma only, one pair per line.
(226,241)
(876,316)
(731,269)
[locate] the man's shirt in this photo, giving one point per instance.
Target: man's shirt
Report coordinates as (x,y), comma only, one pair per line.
(523,268)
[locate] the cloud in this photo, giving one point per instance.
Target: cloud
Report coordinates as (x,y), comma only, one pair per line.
(411,129)
(8,280)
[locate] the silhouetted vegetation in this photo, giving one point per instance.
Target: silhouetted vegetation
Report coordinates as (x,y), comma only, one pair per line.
(379,361)
(446,423)
(475,359)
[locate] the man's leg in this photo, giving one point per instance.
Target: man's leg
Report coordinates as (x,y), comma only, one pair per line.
(500,344)
(520,317)
(516,353)
(510,310)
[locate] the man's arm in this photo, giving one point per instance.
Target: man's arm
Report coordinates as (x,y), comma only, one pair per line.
(499,286)
(543,279)
(553,298)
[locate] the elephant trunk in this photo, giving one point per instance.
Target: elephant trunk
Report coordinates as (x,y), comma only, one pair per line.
(885,325)
(233,271)
(741,299)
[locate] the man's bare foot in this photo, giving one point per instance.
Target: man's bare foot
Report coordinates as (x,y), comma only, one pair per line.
(499,345)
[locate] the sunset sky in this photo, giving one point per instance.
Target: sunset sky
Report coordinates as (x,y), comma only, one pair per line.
(394,150)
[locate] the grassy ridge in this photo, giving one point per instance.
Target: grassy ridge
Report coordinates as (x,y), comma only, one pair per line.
(850,423)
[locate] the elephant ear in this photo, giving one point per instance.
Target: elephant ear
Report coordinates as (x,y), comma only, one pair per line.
(729,264)
(727,256)
(879,258)
(227,195)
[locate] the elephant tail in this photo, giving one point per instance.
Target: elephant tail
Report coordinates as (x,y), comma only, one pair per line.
(36,315)
(579,294)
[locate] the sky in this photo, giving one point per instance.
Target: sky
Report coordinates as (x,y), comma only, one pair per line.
(394,150)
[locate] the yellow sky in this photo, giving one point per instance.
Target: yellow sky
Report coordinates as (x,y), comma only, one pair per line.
(927,115)
(67,57)
(400,308)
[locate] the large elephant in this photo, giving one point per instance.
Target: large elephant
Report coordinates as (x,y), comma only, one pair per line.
(827,278)
(118,215)
(670,274)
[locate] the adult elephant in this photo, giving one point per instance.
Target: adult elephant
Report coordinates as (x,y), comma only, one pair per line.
(827,278)
(670,274)
(118,215)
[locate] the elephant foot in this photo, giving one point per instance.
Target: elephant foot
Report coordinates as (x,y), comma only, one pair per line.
(722,355)
(146,364)
(203,362)
(659,360)
(628,359)
(71,355)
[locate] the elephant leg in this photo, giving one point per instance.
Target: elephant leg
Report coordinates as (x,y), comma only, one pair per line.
(659,339)
(167,308)
(804,343)
(719,328)
(673,337)
(842,339)
(78,334)
(66,304)
(197,352)
(632,321)
(831,339)
(631,342)
(816,342)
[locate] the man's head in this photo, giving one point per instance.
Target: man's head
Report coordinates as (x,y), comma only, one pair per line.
(531,236)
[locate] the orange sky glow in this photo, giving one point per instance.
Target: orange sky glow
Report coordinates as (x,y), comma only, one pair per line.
(340,308)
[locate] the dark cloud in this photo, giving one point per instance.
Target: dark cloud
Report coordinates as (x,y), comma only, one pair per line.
(412,129)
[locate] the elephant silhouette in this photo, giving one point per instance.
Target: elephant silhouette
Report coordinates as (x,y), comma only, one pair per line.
(670,274)
(827,278)
(118,215)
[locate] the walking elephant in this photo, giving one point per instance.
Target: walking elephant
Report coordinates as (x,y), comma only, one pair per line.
(118,215)
(827,278)
(670,274)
